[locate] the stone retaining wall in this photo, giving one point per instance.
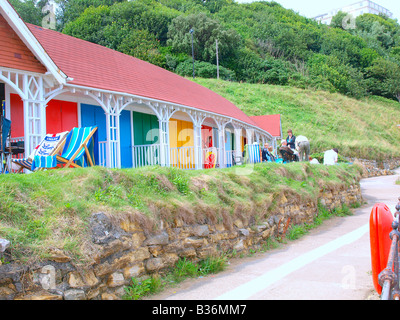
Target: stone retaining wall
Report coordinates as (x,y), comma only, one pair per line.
(125,251)
(373,168)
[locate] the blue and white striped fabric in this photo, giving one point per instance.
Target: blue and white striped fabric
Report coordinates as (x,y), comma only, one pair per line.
(45,148)
(253,153)
(74,140)
(44,162)
(26,163)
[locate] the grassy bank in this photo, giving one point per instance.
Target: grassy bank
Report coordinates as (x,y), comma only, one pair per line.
(364,128)
(51,209)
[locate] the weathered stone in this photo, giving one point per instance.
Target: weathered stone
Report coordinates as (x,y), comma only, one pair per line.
(138,239)
(194,242)
(140,254)
(239,246)
(189,253)
(7,292)
(116,279)
(205,252)
(156,250)
(4,244)
(74,294)
(244,232)
(261,227)
(161,238)
(266,233)
(220,227)
(134,271)
(170,259)
(40,295)
(122,262)
(174,246)
(109,296)
(200,231)
(216,237)
(82,279)
(154,264)
(178,223)
(130,226)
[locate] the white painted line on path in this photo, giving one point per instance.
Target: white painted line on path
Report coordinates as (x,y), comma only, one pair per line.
(258,284)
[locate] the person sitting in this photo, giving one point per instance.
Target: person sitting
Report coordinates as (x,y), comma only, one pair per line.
(287,153)
(331,157)
(266,154)
(271,152)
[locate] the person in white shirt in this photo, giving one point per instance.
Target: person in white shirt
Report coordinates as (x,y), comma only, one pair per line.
(331,157)
(303,148)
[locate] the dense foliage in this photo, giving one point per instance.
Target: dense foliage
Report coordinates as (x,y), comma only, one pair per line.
(259,42)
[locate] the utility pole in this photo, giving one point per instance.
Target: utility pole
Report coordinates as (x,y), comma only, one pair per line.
(216,45)
(191,32)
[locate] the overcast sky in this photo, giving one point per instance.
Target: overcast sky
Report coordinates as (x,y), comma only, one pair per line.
(312,8)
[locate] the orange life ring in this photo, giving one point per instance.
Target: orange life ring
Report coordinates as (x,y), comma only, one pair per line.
(380,226)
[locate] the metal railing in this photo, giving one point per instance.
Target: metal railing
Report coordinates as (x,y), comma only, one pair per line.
(229,158)
(102,153)
(389,277)
(182,157)
(146,155)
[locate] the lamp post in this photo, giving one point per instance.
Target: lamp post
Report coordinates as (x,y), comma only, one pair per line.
(191,32)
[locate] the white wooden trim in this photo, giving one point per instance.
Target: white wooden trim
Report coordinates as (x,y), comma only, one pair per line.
(19,26)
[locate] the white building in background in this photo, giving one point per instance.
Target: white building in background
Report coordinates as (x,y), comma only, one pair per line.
(355,9)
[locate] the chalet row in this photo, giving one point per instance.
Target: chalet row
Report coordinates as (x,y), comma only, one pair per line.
(51,82)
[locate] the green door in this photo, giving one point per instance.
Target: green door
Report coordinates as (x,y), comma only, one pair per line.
(145,134)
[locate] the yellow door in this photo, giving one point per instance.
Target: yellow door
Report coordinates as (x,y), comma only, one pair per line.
(181,141)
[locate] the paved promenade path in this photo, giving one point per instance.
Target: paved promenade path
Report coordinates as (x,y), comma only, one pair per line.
(331,262)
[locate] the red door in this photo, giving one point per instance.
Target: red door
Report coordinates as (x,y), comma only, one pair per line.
(61,116)
(17,116)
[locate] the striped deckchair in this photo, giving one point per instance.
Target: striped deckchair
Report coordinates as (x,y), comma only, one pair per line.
(47,147)
(252,153)
(80,148)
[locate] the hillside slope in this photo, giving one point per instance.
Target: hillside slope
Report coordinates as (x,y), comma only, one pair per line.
(365,128)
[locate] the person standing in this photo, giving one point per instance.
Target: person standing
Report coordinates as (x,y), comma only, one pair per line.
(303,148)
(291,140)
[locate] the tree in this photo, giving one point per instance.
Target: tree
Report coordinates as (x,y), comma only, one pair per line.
(29,10)
(90,25)
(342,20)
(384,78)
(206,32)
(142,45)
(70,10)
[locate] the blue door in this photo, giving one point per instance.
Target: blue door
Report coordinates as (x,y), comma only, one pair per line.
(126,139)
(228,148)
(95,116)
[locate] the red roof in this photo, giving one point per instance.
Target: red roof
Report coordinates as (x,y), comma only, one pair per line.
(270,123)
(95,66)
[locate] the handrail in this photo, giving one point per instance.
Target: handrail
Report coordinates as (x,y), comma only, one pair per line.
(389,277)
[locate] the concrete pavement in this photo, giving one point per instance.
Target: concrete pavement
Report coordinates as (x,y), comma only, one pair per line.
(332,262)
